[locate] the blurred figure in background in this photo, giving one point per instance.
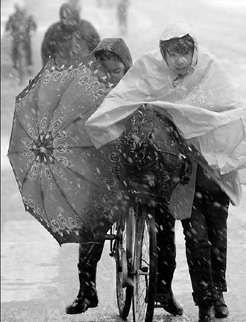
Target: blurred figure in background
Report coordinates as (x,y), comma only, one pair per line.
(99,3)
(69,39)
(122,10)
(20,25)
(75,4)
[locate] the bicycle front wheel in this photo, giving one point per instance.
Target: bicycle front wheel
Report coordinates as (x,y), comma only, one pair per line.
(145,267)
(123,256)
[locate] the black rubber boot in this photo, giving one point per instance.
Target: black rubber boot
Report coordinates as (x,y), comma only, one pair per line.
(89,255)
(206,314)
(87,296)
(166,262)
(221,309)
(168,302)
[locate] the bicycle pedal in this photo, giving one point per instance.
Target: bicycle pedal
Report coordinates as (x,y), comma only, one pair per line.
(128,282)
(158,305)
(158,301)
(144,269)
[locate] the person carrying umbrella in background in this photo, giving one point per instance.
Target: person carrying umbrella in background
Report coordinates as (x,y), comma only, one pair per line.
(188,82)
(70,39)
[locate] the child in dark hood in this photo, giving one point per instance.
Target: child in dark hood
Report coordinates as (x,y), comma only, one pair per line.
(69,39)
(115,57)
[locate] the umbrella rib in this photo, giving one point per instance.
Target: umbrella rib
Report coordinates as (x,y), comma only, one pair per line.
(63,194)
(22,127)
(83,177)
(59,100)
(28,170)
(36,105)
(80,176)
(81,147)
(73,121)
(42,198)
(15,152)
(85,112)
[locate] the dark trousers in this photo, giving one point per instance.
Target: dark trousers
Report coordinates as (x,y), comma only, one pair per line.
(166,249)
(27,53)
(206,244)
(91,246)
(90,252)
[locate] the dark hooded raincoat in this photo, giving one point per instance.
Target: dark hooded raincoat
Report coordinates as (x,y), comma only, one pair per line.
(67,44)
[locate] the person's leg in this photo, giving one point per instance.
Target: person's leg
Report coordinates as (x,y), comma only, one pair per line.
(124,21)
(14,53)
(89,255)
(90,252)
(166,262)
(29,51)
(198,253)
(217,224)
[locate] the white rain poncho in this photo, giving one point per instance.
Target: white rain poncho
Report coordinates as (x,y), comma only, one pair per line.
(203,105)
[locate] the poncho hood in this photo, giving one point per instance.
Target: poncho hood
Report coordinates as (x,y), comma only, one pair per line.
(179,30)
(117,46)
(176,30)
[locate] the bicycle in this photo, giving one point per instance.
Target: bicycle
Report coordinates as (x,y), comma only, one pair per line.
(134,237)
(144,264)
(134,247)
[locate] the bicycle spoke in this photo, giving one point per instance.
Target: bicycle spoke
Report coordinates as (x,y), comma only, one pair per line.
(123,286)
(144,270)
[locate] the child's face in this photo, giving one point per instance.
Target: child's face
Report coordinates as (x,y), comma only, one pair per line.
(179,63)
(115,69)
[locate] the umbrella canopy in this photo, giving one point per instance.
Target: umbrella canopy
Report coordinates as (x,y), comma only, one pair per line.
(66,184)
(48,147)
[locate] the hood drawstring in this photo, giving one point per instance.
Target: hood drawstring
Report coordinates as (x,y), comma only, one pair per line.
(177,80)
(180,76)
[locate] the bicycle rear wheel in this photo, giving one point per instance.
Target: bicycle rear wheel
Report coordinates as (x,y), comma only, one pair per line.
(123,256)
(145,267)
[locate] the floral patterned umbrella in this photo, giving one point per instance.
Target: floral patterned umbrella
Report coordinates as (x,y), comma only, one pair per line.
(54,161)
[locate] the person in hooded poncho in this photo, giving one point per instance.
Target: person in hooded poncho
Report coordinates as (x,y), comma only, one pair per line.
(188,83)
(115,57)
